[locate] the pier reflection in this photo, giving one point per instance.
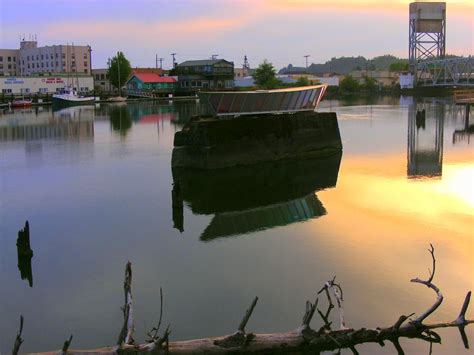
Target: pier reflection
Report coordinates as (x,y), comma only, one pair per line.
(427,120)
(252,198)
(425,139)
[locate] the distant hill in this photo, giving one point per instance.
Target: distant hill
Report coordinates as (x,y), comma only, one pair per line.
(344,65)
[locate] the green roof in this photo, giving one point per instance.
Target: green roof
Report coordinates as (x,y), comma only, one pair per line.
(197,63)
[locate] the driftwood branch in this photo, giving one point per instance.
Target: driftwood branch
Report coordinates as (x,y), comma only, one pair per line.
(429,284)
(126,333)
(301,339)
(19,340)
(247,315)
(67,343)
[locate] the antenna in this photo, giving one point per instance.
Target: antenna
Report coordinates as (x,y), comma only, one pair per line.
(174,61)
(214,56)
(306,57)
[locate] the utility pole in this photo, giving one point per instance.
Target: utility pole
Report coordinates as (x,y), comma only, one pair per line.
(161,62)
(156,61)
(306,57)
(174,62)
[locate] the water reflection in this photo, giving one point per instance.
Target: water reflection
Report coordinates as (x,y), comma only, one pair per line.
(468,129)
(426,125)
(119,119)
(425,139)
(33,124)
(251,198)
(25,253)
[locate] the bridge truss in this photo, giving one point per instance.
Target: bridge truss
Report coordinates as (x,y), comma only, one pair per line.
(445,72)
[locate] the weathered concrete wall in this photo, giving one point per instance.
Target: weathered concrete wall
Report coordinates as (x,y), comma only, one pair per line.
(210,143)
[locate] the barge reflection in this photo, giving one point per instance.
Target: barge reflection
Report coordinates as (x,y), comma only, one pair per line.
(252,198)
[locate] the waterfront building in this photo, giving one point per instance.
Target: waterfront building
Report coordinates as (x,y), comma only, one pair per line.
(9,62)
(30,85)
(140,82)
(205,74)
(30,59)
(101,81)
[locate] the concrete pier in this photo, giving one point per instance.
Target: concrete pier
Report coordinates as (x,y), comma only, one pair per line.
(211,143)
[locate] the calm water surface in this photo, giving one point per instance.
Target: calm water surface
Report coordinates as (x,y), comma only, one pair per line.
(96,185)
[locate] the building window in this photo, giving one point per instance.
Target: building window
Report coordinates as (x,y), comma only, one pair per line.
(63,55)
(9,59)
(28,65)
(57,63)
(9,66)
(42,65)
(51,56)
(1,58)
(6,91)
(85,55)
(14,59)
(102,76)
(43,90)
(37,57)
(25,90)
(56,55)
(42,56)
(85,71)
(85,64)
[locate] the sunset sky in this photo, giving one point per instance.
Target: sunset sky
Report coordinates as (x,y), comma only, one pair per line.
(282,31)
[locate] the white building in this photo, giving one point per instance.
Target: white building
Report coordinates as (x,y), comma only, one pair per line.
(30,85)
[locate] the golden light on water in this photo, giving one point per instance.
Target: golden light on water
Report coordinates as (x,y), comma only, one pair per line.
(446,201)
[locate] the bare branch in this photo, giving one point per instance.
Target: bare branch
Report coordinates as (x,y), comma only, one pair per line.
(462,314)
(247,315)
(67,343)
(308,315)
(429,284)
(18,340)
(126,334)
(157,328)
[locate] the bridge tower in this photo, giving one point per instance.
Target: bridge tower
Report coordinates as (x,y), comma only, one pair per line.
(427,32)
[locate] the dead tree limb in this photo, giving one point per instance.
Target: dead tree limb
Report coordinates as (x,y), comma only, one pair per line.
(302,338)
(66,345)
(429,284)
(19,340)
(240,338)
(126,333)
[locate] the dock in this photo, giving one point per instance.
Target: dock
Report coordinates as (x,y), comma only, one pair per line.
(464,96)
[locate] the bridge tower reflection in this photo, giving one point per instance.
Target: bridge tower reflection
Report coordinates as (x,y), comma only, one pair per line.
(425,139)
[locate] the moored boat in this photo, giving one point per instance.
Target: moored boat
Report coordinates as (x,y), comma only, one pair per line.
(21,103)
(236,103)
(69,97)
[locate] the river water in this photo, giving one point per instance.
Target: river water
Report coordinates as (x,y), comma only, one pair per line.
(96,185)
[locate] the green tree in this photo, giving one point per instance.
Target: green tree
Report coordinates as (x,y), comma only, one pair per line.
(302,81)
(119,70)
(399,65)
(370,84)
(349,84)
(265,76)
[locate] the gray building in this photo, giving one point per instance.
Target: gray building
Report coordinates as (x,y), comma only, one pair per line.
(205,74)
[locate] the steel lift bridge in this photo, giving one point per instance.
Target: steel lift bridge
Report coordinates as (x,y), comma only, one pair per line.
(427,49)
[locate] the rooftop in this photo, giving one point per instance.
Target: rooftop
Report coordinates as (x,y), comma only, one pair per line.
(196,63)
(153,78)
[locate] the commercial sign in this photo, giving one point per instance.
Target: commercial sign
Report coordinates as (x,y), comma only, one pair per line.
(10,81)
(53,80)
